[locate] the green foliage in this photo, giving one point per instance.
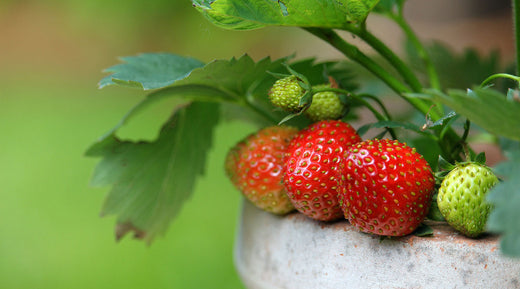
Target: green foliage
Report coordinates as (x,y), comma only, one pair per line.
(506,198)
(147,190)
(487,108)
(150,70)
(151,180)
(245,15)
(457,70)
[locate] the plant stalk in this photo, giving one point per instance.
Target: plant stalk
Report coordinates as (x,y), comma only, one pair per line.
(516,23)
(403,69)
(433,76)
(353,53)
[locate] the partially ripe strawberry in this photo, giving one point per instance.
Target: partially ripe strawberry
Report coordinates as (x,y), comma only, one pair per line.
(462,197)
(312,168)
(388,187)
(325,105)
(286,93)
(255,167)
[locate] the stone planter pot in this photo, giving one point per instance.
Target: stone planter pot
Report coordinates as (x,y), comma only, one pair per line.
(294,251)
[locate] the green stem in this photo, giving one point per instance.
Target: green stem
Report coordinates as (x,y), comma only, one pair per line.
(500,75)
(374,42)
(421,50)
(516,21)
(353,53)
(381,105)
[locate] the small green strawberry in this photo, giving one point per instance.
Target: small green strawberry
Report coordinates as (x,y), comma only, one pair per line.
(255,167)
(325,105)
(312,168)
(462,197)
(286,93)
(387,187)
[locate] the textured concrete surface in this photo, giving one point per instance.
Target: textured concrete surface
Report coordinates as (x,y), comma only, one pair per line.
(296,252)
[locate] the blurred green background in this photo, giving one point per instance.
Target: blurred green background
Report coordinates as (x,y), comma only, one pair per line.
(52,53)
(51,57)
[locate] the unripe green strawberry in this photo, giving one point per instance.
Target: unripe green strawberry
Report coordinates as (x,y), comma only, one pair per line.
(462,197)
(286,94)
(325,105)
(255,167)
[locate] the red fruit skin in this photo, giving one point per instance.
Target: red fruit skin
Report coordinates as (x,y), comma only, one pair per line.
(312,168)
(388,187)
(255,167)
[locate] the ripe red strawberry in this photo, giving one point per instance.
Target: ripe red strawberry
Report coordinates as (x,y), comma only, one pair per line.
(255,167)
(312,168)
(388,187)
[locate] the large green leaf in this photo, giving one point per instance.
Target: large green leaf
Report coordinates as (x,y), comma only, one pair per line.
(252,14)
(151,180)
(505,196)
(488,108)
(150,70)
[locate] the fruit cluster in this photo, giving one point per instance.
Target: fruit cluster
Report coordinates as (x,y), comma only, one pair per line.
(327,172)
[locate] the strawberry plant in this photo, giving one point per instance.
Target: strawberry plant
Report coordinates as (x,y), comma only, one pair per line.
(453,98)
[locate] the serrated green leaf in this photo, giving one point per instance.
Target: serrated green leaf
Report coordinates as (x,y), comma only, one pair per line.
(505,197)
(151,180)
(150,70)
(488,108)
(240,76)
(253,14)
